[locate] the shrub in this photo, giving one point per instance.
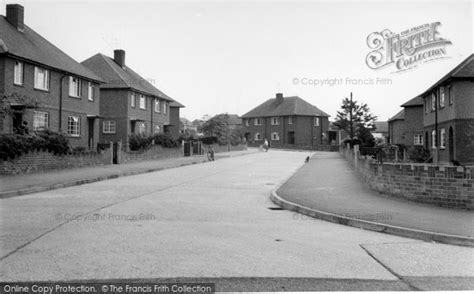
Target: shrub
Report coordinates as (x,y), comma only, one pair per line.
(165,140)
(139,142)
(13,145)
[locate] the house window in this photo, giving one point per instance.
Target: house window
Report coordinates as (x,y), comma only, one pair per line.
(427,103)
(433,139)
(441,97)
(157,106)
(74,87)
(247,122)
(141,128)
(109,127)
(257,122)
(90,91)
(275,136)
(290,120)
(258,137)
(74,126)
(275,121)
(157,129)
(165,107)
(132,100)
(450,95)
(433,101)
(40,120)
(442,138)
(142,102)
(418,140)
(18,73)
(41,79)
(316,121)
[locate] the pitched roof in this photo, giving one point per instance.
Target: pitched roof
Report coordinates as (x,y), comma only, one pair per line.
(31,46)
(464,70)
(381,126)
(289,106)
(417,101)
(176,104)
(399,116)
(117,77)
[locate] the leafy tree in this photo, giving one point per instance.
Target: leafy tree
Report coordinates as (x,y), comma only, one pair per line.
(218,126)
(355,118)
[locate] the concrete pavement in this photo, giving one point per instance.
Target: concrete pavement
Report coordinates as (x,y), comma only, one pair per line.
(38,182)
(328,184)
(211,222)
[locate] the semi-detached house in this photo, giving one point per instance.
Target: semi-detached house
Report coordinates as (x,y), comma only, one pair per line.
(43,86)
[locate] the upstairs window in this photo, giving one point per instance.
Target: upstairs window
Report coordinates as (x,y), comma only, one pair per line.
(165,107)
(450,95)
(41,79)
(247,123)
(290,120)
(142,102)
(132,100)
(18,73)
(157,106)
(74,87)
(433,101)
(316,121)
(441,97)
(90,91)
(275,121)
(257,122)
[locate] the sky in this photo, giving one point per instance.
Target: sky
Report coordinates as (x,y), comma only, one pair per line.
(228,57)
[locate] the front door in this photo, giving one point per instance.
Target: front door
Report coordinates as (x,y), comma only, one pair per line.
(291,137)
(90,139)
(17,121)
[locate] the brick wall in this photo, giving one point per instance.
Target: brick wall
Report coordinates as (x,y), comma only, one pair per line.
(154,152)
(447,186)
(38,161)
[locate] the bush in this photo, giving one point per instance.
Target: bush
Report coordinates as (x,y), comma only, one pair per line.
(165,140)
(139,142)
(13,145)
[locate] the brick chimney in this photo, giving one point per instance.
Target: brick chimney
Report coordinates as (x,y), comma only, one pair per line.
(279,98)
(119,57)
(15,15)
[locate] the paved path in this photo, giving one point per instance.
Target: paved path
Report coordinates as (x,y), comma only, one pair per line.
(211,222)
(38,182)
(327,183)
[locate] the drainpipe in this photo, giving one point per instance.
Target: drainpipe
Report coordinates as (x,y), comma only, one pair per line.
(61,101)
(436,128)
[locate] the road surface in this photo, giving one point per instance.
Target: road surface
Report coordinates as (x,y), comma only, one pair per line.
(211,222)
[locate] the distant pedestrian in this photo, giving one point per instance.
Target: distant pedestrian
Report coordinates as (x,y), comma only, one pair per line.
(266,146)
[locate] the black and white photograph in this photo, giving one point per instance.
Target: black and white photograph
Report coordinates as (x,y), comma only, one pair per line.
(205,146)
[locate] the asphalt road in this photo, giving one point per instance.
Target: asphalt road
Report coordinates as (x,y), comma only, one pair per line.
(211,222)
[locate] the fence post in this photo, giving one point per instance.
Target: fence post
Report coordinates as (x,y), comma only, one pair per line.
(356,154)
(111,150)
(119,152)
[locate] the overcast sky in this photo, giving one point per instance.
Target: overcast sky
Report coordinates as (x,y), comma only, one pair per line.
(229,57)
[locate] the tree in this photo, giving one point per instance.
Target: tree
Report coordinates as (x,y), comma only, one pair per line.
(355,118)
(218,126)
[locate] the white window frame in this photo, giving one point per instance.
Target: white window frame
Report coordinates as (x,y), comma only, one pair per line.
(74,87)
(275,136)
(257,121)
(90,91)
(157,129)
(442,138)
(418,140)
(132,100)
(257,137)
(40,120)
(275,121)
(74,126)
(290,120)
(109,127)
(165,107)
(44,83)
(157,106)
(18,73)
(433,102)
(316,121)
(433,139)
(142,101)
(442,100)
(141,128)
(450,95)
(247,122)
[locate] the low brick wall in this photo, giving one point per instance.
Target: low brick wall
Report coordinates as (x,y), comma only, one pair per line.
(38,161)
(446,186)
(154,152)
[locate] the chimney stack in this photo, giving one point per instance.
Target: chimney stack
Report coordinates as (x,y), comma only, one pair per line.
(119,57)
(279,98)
(15,16)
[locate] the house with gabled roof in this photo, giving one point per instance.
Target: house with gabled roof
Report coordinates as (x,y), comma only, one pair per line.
(287,122)
(44,88)
(406,127)
(448,117)
(130,104)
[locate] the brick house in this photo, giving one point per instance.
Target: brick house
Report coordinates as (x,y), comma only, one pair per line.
(406,127)
(43,86)
(286,122)
(448,117)
(130,104)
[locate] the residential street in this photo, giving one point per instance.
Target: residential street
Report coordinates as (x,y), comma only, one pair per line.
(212,222)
